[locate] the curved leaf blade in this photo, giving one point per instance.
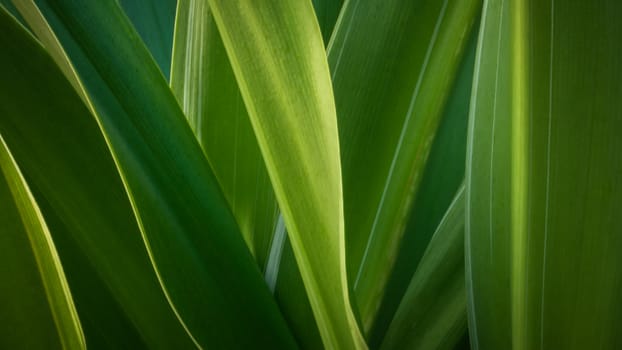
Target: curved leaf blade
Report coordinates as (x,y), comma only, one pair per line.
(292,111)
(396,59)
(443,176)
(119,299)
(183,217)
(432,314)
(204,84)
(36,306)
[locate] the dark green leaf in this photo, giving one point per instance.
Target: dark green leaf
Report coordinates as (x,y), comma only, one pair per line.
(393,64)
(432,314)
(544,233)
(36,307)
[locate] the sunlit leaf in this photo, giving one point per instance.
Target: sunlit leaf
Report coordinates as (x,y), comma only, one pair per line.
(205,87)
(293,115)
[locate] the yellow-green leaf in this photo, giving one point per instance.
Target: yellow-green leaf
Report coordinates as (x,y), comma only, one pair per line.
(277,55)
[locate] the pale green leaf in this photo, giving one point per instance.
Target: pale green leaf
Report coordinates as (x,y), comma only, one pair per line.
(204,84)
(284,79)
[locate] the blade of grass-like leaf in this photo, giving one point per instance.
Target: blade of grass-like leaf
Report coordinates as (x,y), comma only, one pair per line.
(64,157)
(443,175)
(220,121)
(154,21)
(36,307)
(396,59)
(184,219)
(543,177)
(205,87)
(432,314)
(284,80)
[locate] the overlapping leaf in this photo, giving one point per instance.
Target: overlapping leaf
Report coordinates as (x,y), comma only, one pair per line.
(36,307)
(63,162)
(393,64)
(432,314)
(205,87)
(284,80)
(443,175)
(192,238)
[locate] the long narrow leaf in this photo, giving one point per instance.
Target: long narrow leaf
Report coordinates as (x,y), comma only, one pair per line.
(543,177)
(393,64)
(183,217)
(292,111)
(119,299)
(432,314)
(443,175)
(205,87)
(36,307)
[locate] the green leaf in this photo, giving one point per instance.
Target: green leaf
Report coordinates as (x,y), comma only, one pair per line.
(118,299)
(543,177)
(226,136)
(184,219)
(443,175)
(36,307)
(205,87)
(393,64)
(154,21)
(182,214)
(432,314)
(293,115)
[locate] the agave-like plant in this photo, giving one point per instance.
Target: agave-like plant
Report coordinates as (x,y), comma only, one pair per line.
(333,174)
